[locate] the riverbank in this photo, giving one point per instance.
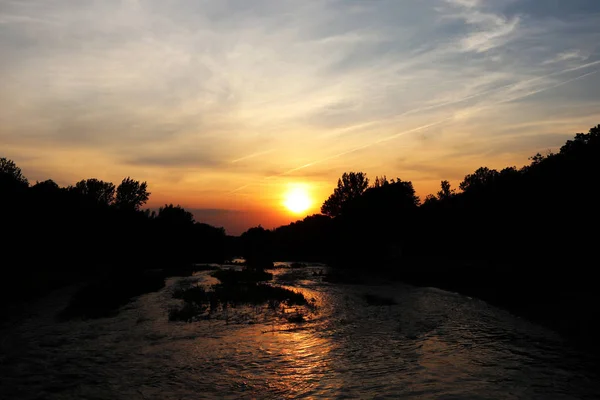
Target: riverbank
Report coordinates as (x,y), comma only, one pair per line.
(390,339)
(99,290)
(538,290)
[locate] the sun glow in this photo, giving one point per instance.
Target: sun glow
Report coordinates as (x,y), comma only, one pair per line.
(297,200)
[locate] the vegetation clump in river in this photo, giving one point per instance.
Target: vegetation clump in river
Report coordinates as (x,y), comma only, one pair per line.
(246,276)
(236,288)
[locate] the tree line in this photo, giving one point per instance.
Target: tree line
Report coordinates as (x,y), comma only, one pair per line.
(522,238)
(541,211)
(95,224)
(544,211)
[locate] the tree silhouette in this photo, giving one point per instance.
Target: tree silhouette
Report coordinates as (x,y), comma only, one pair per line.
(47,185)
(11,177)
(479,179)
(96,191)
(104,232)
(380,181)
(257,248)
(307,239)
(372,216)
(430,199)
(46,191)
(131,194)
(388,198)
(581,140)
(536,159)
(175,216)
(350,186)
(446,192)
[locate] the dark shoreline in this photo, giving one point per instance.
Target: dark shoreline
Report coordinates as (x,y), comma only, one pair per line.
(560,295)
(100,289)
(541,291)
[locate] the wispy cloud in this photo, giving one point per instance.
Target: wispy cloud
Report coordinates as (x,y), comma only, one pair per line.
(576,55)
(490,30)
(230,96)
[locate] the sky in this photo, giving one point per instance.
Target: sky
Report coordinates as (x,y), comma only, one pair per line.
(224,106)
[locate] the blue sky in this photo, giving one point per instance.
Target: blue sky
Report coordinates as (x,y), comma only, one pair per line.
(222,105)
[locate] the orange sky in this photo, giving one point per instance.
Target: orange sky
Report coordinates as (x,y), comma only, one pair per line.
(220,107)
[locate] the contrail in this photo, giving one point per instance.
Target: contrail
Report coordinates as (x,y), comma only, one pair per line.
(522,96)
(240,188)
(385,139)
(394,136)
(260,153)
(473,96)
(549,87)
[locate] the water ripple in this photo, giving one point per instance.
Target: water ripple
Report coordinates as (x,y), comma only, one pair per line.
(430,344)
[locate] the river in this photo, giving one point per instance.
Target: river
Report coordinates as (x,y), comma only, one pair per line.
(430,344)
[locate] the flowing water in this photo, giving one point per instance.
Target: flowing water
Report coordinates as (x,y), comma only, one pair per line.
(430,344)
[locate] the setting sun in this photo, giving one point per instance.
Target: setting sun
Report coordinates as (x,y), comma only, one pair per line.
(297,200)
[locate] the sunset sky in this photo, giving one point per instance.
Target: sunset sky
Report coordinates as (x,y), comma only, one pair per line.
(225,106)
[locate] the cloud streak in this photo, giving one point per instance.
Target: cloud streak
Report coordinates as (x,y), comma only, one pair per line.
(451,117)
(239,98)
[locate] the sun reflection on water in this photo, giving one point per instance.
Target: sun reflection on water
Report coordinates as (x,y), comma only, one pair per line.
(431,344)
